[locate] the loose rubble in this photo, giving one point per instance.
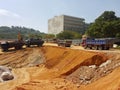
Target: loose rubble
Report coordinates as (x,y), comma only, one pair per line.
(88,74)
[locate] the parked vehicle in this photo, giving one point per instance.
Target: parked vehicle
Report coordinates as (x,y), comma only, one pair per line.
(5,45)
(99,44)
(33,41)
(64,43)
(18,44)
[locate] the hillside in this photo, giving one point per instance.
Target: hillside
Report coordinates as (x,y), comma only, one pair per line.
(11,32)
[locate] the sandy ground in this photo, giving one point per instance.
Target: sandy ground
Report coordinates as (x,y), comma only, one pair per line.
(56,68)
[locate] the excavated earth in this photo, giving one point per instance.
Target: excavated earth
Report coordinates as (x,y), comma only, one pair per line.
(59,68)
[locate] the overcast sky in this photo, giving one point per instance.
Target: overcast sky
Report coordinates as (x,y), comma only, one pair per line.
(35,13)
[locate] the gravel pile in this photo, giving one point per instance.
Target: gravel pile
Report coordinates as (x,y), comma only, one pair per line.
(88,74)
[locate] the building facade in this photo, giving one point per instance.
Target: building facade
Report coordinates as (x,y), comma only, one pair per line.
(64,22)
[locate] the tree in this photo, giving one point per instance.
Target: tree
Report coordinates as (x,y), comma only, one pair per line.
(106,25)
(12,32)
(118,35)
(49,36)
(68,35)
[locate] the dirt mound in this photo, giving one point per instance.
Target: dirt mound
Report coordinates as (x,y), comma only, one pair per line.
(88,74)
(109,82)
(67,60)
(22,58)
(53,68)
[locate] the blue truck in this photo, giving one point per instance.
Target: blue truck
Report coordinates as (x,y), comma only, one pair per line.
(99,44)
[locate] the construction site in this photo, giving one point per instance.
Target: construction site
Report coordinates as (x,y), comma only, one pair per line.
(61,68)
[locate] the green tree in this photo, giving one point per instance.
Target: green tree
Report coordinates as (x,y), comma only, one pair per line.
(106,25)
(68,35)
(118,35)
(49,36)
(12,32)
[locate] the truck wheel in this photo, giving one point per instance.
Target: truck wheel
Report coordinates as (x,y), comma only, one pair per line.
(90,47)
(28,45)
(38,45)
(20,47)
(85,47)
(95,48)
(4,50)
(100,48)
(16,48)
(107,48)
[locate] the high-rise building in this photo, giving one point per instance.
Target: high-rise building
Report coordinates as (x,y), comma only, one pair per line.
(64,22)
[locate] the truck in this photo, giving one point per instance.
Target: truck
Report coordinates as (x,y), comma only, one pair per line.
(5,45)
(99,44)
(33,41)
(64,43)
(18,44)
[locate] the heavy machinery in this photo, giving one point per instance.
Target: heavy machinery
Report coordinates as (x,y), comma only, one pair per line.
(33,41)
(99,44)
(17,44)
(64,43)
(5,45)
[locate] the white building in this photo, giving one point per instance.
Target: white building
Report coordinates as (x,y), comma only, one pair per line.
(64,22)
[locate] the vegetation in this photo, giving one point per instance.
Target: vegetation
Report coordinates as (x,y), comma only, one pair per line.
(68,35)
(49,36)
(106,25)
(12,32)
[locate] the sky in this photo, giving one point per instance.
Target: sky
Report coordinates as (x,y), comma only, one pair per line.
(35,13)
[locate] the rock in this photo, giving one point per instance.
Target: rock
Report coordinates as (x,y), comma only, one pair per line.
(5,74)
(93,66)
(105,63)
